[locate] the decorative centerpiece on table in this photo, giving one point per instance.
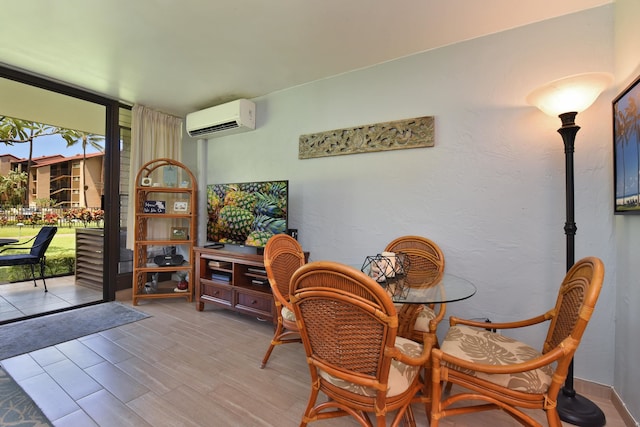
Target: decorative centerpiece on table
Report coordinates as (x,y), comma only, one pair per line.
(389,269)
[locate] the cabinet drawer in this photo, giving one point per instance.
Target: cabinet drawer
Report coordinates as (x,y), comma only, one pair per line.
(255,303)
(217,293)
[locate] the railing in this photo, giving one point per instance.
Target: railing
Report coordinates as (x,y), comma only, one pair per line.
(62,217)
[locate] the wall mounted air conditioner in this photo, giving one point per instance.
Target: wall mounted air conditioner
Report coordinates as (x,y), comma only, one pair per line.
(225,119)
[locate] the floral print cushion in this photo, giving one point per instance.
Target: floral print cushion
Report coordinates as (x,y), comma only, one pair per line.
(288,314)
(425,316)
(401,376)
(482,346)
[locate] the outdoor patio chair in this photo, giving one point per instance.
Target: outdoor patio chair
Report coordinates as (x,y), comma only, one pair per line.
(35,256)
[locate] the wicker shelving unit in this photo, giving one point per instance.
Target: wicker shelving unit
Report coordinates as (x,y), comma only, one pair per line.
(165,227)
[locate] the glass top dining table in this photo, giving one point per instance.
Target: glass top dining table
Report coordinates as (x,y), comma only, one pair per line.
(438,289)
(421,288)
(424,289)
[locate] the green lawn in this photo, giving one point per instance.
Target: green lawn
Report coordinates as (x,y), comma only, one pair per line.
(64,242)
(60,254)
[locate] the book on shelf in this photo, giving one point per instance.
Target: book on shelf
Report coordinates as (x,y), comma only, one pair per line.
(219,264)
(257,270)
(260,282)
(221,277)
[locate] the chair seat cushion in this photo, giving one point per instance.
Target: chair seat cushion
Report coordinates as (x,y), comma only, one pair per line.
(425,316)
(482,346)
(401,375)
(18,259)
(288,314)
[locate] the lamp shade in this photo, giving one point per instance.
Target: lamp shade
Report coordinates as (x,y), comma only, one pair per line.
(570,94)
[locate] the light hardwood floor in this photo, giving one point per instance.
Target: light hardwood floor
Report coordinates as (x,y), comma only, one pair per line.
(182,367)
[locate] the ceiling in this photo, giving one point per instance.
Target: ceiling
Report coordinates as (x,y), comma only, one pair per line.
(179,56)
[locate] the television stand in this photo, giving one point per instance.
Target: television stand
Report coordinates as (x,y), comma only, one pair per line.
(233,280)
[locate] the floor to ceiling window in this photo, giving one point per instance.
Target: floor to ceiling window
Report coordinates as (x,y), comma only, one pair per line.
(65,183)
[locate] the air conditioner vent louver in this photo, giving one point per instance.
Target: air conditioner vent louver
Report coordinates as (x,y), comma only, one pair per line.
(232,117)
(213,129)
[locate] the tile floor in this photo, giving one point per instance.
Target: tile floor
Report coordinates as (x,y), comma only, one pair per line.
(23,299)
(181,367)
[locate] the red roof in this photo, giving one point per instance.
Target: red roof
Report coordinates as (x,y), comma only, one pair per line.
(58,158)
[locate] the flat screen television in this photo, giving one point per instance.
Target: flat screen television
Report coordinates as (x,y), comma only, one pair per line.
(247,213)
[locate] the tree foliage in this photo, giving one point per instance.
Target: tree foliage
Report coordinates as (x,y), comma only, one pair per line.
(12,188)
(16,131)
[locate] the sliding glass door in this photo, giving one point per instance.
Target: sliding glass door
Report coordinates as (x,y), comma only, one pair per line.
(61,152)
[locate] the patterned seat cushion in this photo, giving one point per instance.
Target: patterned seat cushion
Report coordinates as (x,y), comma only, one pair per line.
(424,317)
(401,376)
(288,314)
(482,346)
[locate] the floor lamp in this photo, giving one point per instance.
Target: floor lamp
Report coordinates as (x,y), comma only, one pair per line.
(565,98)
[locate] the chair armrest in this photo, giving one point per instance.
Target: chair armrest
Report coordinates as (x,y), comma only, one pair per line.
(433,324)
(17,245)
(9,248)
(438,357)
(286,304)
(28,248)
(23,243)
(504,325)
(429,343)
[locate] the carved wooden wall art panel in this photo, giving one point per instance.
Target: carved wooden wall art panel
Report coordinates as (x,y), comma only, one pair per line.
(397,135)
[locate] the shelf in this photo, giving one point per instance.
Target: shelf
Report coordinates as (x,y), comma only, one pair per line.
(169,182)
(164,190)
(153,267)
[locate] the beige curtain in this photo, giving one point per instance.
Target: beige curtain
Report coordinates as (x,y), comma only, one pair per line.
(153,135)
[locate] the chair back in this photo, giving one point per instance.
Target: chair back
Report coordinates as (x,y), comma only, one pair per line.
(346,321)
(576,300)
(42,241)
(426,260)
(508,374)
(283,255)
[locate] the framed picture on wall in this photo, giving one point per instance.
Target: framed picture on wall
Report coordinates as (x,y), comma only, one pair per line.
(626,150)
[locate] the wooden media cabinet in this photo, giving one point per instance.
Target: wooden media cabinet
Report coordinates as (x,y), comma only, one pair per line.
(233,280)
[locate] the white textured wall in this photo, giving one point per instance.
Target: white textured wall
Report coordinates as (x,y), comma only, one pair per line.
(627,344)
(491,192)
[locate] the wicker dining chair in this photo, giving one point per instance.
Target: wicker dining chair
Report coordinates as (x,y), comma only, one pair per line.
(426,263)
(283,255)
(349,327)
(506,374)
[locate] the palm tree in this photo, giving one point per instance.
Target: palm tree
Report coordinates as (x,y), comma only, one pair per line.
(73,137)
(12,187)
(16,131)
(634,130)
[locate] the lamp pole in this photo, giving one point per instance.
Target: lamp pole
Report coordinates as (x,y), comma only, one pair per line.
(572,407)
